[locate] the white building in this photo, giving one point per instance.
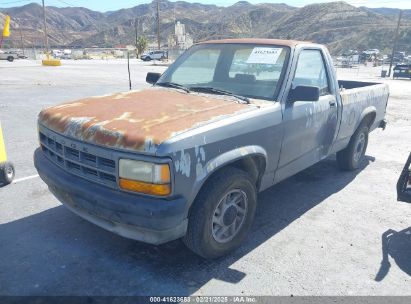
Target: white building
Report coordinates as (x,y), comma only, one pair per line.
(181,39)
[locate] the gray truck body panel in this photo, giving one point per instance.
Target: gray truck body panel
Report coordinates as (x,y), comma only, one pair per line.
(283,137)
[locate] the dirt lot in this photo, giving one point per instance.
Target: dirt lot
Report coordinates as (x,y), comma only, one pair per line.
(321,232)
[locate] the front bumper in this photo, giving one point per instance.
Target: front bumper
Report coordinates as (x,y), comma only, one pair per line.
(147,219)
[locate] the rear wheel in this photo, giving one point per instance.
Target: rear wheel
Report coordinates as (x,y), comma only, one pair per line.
(222,214)
(351,157)
(10,58)
(6,173)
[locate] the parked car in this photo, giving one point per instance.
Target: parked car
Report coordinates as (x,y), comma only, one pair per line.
(154,55)
(372,52)
(402,71)
(404,183)
(7,56)
(400,56)
(187,157)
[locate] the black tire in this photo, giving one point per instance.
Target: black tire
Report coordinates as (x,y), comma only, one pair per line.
(351,157)
(200,232)
(6,173)
(10,58)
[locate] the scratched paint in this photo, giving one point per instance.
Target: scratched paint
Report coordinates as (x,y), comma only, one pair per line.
(200,161)
(354,102)
(183,164)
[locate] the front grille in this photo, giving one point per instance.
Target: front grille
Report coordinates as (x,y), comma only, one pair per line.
(73,159)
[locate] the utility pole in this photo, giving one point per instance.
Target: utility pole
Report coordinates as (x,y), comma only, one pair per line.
(46,40)
(158,24)
(21,39)
(136,24)
(394,47)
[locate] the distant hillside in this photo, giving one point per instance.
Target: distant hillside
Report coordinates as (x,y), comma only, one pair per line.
(390,12)
(337,24)
(341,26)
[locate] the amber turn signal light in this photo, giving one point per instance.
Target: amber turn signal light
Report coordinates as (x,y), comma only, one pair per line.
(147,188)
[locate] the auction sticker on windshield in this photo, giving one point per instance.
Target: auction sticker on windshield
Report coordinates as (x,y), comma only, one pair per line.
(264,55)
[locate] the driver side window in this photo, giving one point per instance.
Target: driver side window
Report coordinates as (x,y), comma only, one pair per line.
(311,71)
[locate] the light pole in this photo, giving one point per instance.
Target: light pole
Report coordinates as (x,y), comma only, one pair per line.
(394,47)
(46,40)
(158,24)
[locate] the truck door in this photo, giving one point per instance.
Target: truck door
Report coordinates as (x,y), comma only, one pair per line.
(309,126)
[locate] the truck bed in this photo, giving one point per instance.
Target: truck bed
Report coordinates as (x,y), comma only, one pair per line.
(359,98)
(349,84)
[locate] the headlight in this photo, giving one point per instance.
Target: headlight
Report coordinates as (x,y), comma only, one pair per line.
(144,177)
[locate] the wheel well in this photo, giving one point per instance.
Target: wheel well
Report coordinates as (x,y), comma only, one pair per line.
(368,119)
(253,165)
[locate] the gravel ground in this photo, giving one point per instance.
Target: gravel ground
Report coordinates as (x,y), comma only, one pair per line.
(321,232)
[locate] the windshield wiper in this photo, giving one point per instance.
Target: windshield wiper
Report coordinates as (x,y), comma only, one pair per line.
(219,91)
(173,85)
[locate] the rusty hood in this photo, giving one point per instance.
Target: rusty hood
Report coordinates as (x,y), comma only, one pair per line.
(137,120)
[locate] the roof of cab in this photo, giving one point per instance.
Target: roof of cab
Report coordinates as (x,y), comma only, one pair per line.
(290,43)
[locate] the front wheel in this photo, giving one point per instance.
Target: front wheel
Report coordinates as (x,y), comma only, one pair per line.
(351,157)
(10,58)
(6,173)
(222,214)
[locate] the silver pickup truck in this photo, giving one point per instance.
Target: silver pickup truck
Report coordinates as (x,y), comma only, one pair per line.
(187,157)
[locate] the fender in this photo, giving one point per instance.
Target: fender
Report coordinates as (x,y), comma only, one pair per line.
(222,160)
(365,112)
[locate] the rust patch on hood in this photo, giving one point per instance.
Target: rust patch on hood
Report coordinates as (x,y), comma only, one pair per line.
(137,120)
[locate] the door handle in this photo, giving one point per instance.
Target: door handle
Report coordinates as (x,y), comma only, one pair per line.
(332,103)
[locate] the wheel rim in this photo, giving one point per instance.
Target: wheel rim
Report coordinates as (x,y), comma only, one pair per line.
(9,173)
(359,149)
(229,215)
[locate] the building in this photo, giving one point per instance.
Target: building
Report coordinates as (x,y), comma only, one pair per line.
(181,39)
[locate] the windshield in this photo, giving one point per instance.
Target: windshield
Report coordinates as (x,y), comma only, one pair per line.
(249,70)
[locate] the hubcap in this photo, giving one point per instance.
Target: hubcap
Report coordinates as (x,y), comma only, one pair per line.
(359,149)
(229,215)
(9,172)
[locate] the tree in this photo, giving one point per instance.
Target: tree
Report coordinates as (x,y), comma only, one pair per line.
(142,44)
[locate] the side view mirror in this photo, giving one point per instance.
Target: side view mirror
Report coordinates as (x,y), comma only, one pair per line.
(304,93)
(152,78)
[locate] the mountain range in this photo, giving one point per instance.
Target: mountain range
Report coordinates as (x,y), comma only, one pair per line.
(337,24)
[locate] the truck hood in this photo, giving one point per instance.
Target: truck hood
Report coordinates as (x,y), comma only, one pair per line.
(138,120)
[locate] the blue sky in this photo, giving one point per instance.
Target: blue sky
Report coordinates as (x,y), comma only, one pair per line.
(106,5)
